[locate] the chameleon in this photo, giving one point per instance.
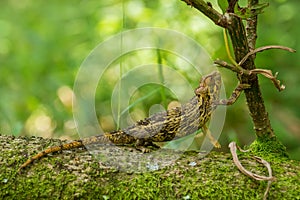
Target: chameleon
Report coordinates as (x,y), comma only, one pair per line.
(164,126)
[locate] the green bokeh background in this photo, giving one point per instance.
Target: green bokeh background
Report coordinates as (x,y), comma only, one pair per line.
(43,43)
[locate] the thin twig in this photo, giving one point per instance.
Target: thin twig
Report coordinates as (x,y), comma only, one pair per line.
(236,161)
(269,75)
(260,49)
(265,72)
(270,174)
(231,67)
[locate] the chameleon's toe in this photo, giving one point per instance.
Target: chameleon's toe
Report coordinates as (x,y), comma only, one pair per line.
(217,145)
(143,149)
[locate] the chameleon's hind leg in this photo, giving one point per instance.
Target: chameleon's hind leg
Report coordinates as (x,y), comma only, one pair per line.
(207,133)
(144,146)
(234,96)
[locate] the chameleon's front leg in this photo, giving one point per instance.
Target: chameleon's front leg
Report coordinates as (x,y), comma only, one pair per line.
(234,96)
(207,133)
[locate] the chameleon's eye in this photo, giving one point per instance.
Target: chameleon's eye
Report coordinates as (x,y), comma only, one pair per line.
(208,80)
(218,82)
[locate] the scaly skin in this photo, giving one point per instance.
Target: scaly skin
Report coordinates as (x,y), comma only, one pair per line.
(164,126)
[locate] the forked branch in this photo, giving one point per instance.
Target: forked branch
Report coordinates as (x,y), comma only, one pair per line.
(243,42)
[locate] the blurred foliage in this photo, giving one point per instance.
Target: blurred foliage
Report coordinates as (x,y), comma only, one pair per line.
(43,43)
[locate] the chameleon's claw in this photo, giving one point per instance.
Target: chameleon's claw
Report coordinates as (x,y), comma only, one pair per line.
(217,145)
(143,149)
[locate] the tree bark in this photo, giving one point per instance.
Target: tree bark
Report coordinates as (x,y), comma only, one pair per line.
(254,98)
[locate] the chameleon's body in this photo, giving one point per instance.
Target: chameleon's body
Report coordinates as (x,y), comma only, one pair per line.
(164,126)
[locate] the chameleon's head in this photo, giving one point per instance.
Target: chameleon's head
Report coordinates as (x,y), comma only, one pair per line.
(210,86)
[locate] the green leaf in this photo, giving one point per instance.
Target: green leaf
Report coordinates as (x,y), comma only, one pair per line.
(245,13)
(223,4)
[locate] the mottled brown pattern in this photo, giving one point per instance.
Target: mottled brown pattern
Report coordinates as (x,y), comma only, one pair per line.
(160,127)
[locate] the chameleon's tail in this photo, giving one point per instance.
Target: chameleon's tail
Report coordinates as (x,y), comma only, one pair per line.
(72,145)
(101,139)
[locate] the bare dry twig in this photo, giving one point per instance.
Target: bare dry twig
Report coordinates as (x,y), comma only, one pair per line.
(268,74)
(265,72)
(260,49)
(236,161)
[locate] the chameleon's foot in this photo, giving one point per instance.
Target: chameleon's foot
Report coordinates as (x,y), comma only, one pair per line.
(143,146)
(212,140)
(234,96)
(216,144)
(143,149)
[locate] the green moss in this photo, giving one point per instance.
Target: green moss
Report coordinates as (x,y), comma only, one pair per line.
(268,148)
(75,175)
(209,179)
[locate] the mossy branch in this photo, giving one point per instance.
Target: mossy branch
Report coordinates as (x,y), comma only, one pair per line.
(79,175)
